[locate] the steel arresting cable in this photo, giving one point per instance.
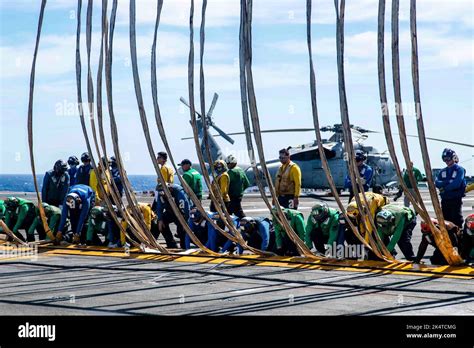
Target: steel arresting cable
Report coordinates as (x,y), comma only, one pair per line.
(30,124)
(150,241)
(321,151)
(246,42)
(441,235)
(370,230)
(133,222)
(134,217)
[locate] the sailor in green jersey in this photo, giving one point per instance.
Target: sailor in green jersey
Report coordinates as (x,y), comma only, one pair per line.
(406,179)
(395,225)
(238,183)
(284,245)
(53,216)
(2,211)
(322,227)
(98,224)
(20,214)
(192,177)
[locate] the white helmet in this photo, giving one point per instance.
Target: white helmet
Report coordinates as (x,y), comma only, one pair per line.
(231,159)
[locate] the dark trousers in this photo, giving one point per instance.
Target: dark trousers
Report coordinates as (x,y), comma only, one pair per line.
(438,258)
(167,235)
(351,195)
(212,207)
(452,210)
(286,201)
(288,247)
(319,239)
(170,217)
(405,241)
(41,232)
(255,241)
(467,244)
(235,207)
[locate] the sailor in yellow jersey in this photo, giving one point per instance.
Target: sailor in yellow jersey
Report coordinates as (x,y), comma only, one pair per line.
(105,178)
(375,202)
(149,217)
(166,170)
(288,181)
(222,183)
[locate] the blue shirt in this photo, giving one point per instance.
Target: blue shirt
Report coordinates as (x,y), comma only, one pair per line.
(54,188)
(212,234)
(87,195)
(180,198)
(263,230)
(452,181)
(117,179)
(83,174)
(229,243)
(72,175)
(201,228)
(365,172)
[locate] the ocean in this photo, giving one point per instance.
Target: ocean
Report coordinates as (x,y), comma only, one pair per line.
(24,182)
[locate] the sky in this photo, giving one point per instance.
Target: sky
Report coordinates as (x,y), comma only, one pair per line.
(281,76)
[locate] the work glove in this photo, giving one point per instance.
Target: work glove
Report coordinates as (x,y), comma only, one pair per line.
(59,238)
(76,238)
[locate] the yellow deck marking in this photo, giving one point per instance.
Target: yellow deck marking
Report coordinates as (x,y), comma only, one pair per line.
(380,267)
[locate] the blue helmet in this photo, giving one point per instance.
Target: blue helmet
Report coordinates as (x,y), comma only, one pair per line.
(60,167)
(448,154)
(85,157)
(360,156)
(73,161)
(195,215)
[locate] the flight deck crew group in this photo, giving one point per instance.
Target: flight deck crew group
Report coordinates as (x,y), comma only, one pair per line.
(76,211)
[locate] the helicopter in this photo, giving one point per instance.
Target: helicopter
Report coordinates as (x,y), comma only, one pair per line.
(307,155)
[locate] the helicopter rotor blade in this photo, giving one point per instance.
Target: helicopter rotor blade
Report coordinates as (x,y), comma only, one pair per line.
(185,102)
(366,131)
(222,133)
(213,105)
(443,141)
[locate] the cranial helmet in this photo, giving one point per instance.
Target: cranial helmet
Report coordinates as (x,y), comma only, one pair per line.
(319,212)
(73,200)
(60,167)
(231,159)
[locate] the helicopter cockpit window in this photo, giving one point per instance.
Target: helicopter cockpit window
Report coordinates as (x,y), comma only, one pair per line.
(312,155)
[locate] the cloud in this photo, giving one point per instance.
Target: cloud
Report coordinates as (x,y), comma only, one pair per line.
(56,55)
(437,48)
(176,13)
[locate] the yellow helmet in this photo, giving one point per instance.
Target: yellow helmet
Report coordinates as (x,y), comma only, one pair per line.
(220,166)
(353,211)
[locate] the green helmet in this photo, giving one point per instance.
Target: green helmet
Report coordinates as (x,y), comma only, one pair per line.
(12,203)
(97,212)
(385,219)
(285,211)
(319,212)
(47,209)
